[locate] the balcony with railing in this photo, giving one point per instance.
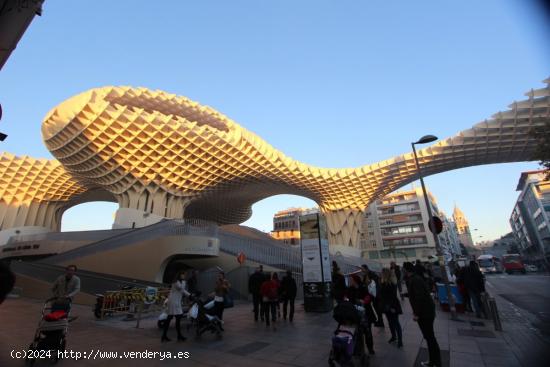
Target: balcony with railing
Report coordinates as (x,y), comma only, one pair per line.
(392,211)
(411,241)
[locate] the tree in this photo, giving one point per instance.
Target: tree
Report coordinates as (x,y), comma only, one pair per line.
(542,150)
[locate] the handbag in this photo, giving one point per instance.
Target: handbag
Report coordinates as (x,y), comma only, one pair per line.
(228,301)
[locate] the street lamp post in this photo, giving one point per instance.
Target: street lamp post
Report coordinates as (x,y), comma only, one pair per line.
(423,140)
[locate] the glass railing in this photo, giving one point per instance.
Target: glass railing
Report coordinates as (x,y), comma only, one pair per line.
(67,236)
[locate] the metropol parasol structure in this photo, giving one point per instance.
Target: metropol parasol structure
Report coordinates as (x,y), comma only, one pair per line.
(160,154)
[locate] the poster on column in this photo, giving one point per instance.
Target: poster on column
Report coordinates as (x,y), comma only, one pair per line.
(315,263)
(309,235)
(325,255)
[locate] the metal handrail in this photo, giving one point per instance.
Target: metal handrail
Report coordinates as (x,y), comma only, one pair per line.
(261,251)
(56,236)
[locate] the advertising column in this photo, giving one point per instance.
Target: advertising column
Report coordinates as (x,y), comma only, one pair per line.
(315,263)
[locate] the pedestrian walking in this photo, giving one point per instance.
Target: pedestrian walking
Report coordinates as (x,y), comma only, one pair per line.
(288,294)
(398,276)
(68,285)
(221,290)
(7,281)
(177,291)
(338,283)
(423,312)
(372,276)
(270,297)
(459,273)
(420,269)
(475,285)
(391,305)
(363,292)
(254,284)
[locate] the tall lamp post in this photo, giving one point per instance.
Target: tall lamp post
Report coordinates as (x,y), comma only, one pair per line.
(424,140)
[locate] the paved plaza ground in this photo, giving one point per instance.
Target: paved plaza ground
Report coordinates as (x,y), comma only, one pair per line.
(306,342)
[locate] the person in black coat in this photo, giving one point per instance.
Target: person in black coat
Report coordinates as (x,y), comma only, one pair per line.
(254,284)
(377,299)
(7,281)
(459,273)
(397,271)
(338,283)
(475,285)
(358,294)
(424,312)
(391,305)
(288,294)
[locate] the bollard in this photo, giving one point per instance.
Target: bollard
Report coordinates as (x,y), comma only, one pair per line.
(494,314)
(485,305)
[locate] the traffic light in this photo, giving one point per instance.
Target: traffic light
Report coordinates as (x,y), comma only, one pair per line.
(435,225)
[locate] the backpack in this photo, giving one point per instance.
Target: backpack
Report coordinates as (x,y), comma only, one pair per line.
(272,293)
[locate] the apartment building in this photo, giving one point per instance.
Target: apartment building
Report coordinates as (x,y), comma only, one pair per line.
(449,238)
(530,218)
(286,225)
(462,227)
(395,228)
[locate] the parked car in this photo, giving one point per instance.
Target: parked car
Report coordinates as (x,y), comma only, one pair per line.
(531,268)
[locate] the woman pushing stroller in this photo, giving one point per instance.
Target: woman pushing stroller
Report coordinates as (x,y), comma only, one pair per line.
(354,315)
(363,293)
(178,290)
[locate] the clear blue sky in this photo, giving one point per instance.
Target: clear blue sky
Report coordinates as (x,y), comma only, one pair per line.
(330,83)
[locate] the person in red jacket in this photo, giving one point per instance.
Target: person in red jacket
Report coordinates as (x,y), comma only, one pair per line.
(270,297)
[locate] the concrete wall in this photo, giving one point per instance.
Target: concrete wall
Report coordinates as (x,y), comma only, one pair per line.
(21,231)
(147,260)
(132,218)
(39,289)
(345,250)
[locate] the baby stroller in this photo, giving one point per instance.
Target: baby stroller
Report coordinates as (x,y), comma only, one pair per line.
(202,319)
(348,342)
(50,337)
(164,314)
